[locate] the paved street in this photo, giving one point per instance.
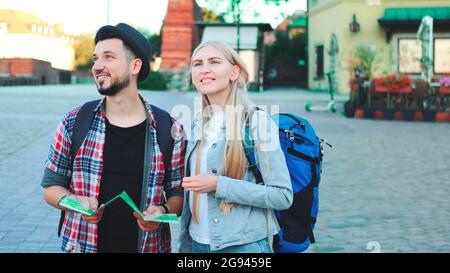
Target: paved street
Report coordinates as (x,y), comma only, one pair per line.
(385,184)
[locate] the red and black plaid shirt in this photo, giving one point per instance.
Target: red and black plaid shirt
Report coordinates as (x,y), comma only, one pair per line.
(80,236)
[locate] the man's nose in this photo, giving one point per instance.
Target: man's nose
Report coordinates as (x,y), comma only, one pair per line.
(98,65)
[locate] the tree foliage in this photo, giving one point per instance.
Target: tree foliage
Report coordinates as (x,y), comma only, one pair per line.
(233,10)
(154,39)
(282,60)
(84,47)
(211,16)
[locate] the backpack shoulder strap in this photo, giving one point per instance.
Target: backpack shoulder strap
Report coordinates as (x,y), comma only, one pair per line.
(82,125)
(249,148)
(164,137)
(80,129)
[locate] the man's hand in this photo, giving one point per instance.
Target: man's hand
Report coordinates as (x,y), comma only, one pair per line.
(92,203)
(147,226)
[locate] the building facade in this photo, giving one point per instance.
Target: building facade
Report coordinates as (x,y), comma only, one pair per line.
(337,27)
(251,38)
(179,34)
(23,35)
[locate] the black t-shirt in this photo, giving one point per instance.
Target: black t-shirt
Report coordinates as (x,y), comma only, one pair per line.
(123,165)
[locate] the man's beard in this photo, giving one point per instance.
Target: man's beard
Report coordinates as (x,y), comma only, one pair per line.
(115,87)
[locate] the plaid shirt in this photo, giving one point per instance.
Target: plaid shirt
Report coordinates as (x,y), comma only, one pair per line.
(80,236)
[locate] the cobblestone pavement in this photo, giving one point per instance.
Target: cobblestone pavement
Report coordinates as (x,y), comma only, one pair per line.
(385,184)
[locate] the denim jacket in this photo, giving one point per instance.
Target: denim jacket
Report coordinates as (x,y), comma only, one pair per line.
(247,221)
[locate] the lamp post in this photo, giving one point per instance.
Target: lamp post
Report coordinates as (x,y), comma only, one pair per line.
(237,18)
(354,25)
(107,12)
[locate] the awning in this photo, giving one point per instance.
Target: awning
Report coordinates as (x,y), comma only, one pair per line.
(299,23)
(408,19)
(415,14)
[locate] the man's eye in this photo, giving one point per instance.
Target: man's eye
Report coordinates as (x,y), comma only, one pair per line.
(196,64)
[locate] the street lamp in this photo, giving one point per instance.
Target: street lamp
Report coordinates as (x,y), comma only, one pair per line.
(354,25)
(237,19)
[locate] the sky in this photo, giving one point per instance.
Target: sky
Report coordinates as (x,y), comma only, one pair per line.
(80,16)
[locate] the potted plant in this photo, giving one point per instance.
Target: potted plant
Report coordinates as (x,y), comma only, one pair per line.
(444,90)
(350,104)
(361,63)
(393,83)
(444,85)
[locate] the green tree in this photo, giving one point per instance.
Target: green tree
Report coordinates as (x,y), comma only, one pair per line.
(282,60)
(211,16)
(154,39)
(233,10)
(84,47)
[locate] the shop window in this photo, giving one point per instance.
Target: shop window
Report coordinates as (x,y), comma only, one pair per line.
(409,56)
(442,55)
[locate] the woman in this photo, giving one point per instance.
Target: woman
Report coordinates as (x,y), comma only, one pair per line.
(224,209)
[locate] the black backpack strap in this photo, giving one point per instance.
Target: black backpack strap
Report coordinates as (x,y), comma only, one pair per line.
(82,125)
(164,138)
(80,129)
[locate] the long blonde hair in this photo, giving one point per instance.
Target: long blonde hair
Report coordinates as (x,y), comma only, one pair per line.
(234,156)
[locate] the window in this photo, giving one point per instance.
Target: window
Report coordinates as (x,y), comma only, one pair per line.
(442,55)
(319,62)
(3,27)
(409,55)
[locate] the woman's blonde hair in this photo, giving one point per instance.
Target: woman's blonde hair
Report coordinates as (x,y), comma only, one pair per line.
(237,106)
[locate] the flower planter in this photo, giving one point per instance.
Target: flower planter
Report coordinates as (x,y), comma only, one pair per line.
(359,113)
(442,117)
(418,116)
(378,114)
(402,89)
(444,89)
(388,114)
(398,115)
(382,88)
(428,114)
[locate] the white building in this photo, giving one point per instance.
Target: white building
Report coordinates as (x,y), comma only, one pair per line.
(23,35)
(251,47)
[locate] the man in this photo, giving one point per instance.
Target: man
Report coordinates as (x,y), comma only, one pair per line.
(120,152)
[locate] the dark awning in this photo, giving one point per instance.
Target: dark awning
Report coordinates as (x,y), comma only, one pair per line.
(261,26)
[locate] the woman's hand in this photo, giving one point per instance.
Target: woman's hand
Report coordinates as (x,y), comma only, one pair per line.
(200,183)
(147,226)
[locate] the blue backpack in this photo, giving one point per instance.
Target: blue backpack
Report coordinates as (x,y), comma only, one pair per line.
(303,154)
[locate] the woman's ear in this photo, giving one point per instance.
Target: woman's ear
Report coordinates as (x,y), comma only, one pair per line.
(235,74)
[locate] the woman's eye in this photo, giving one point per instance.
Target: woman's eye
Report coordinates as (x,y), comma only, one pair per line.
(196,64)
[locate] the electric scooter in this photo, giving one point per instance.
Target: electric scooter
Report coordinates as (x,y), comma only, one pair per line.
(309,106)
